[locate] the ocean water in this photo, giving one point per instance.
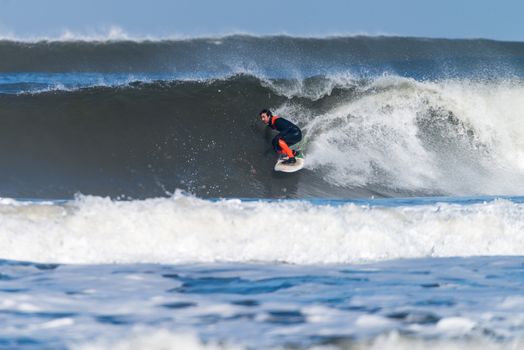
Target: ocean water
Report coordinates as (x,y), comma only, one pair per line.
(439,303)
(139,208)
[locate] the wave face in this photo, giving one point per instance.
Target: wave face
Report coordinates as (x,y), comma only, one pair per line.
(185,229)
(381,117)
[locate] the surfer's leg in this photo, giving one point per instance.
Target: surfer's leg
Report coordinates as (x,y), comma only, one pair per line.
(285,148)
(276,146)
(289,140)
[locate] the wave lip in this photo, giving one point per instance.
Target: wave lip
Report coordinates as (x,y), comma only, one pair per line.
(185,229)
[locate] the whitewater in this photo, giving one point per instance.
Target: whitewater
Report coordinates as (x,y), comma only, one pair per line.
(139,208)
(186,229)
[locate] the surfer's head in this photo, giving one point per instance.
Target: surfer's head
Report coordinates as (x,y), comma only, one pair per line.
(266,115)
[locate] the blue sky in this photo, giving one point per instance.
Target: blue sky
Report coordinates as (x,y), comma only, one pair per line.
(501,20)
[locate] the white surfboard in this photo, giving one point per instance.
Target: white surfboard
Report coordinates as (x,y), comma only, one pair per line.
(289,168)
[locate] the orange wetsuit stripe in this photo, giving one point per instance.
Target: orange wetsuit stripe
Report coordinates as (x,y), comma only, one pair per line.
(285,148)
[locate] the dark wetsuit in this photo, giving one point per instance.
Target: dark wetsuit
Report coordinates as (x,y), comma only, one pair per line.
(288,132)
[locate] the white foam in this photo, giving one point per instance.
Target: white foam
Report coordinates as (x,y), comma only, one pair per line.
(166,340)
(455,325)
(394,341)
(373,321)
(58,323)
(187,229)
(313,90)
(456,136)
(155,339)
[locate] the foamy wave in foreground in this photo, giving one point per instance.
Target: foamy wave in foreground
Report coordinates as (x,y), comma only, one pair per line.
(167,340)
(156,339)
(185,229)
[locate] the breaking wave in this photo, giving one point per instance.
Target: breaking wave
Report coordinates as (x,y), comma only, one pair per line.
(386,136)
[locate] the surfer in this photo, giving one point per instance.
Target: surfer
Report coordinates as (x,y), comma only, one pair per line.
(289,134)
